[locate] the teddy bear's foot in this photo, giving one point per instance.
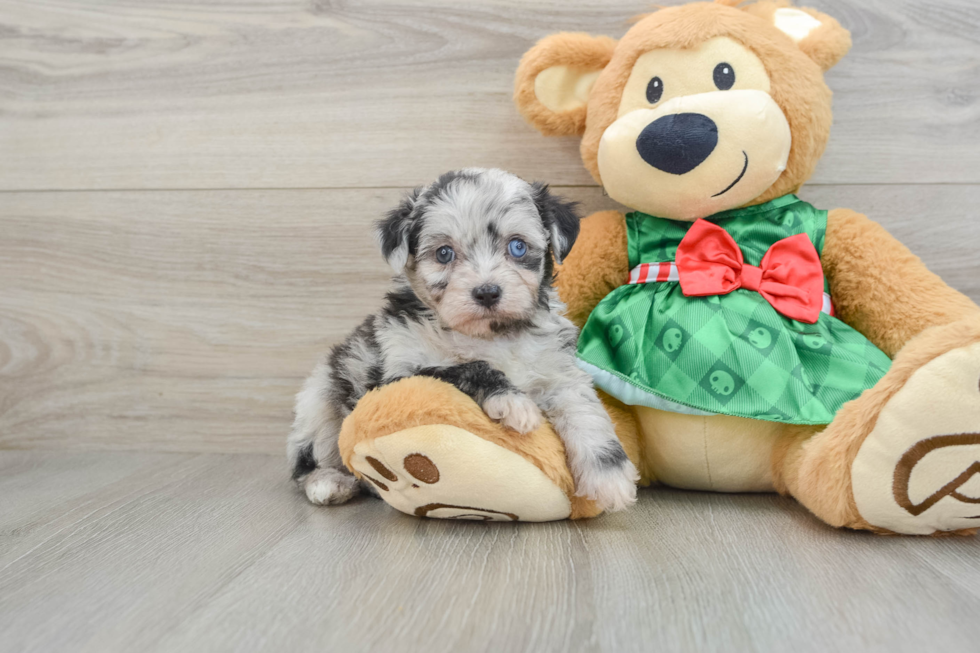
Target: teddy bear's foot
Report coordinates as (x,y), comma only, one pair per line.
(918,470)
(430,451)
(446,472)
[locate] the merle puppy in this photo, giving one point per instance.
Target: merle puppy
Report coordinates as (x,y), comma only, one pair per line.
(472,305)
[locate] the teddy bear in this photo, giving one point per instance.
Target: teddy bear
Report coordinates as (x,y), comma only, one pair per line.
(741,339)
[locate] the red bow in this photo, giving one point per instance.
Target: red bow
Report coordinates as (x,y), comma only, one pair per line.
(790,277)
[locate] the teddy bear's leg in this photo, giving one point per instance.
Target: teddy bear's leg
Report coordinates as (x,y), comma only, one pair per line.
(905,456)
(432,452)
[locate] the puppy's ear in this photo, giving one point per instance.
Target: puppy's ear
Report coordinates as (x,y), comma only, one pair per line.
(561,219)
(393,232)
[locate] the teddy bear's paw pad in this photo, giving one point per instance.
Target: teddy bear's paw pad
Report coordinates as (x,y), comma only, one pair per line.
(445,472)
(918,471)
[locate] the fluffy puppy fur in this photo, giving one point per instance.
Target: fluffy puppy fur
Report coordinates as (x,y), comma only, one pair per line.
(473,305)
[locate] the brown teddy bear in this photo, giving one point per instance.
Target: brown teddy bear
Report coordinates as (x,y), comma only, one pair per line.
(744,339)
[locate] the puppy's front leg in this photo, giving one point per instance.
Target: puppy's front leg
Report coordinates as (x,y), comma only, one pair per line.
(490,388)
(599,465)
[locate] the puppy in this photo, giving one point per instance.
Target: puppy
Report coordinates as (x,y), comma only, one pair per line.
(472,305)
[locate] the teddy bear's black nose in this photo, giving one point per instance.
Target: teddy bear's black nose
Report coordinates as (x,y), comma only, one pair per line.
(678,143)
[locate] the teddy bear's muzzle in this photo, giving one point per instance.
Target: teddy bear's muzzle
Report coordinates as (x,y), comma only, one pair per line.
(714,151)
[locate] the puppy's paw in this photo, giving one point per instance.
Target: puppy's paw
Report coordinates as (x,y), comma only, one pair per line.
(609,479)
(515,410)
(330,486)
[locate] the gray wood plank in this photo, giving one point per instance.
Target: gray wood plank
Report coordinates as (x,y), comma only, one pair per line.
(186,321)
(178,321)
(219,553)
(112,94)
(35,508)
(123,563)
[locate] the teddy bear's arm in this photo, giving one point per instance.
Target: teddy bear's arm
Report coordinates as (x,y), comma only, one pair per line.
(881,288)
(597,264)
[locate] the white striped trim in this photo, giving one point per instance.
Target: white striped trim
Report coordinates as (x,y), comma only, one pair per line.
(828,305)
(659,272)
(650,272)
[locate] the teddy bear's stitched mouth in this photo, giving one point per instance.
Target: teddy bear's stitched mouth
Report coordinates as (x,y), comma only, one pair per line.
(737,179)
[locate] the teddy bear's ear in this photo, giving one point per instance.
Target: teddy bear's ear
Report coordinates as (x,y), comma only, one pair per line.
(818,35)
(554,80)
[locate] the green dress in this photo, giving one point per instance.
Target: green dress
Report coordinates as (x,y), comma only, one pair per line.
(649,345)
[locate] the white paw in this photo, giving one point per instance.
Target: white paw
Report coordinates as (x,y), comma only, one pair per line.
(514,410)
(330,486)
(613,488)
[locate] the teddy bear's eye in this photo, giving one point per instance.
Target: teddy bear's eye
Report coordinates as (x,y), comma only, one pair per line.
(655,90)
(724,76)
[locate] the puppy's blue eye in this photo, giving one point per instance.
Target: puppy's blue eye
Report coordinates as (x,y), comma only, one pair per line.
(445,254)
(517,248)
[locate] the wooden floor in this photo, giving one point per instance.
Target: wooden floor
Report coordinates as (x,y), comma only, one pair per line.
(186,193)
(113,551)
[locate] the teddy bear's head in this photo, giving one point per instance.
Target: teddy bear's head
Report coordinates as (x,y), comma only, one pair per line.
(698,109)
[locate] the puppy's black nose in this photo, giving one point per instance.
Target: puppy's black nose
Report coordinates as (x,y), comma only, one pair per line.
(487,295)
(678,143)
